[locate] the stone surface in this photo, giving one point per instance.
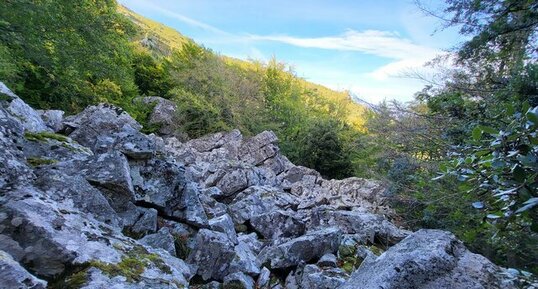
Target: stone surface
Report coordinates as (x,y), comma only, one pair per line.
(212,255)
(163,115)
(238,281)
(13,275)
(162,239)
(52,118)
(277,224)
(427,259)
(306,248)
(225,225)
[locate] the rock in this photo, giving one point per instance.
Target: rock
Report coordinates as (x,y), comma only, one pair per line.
(244,260)
(110,173)
(4,90)
(129,141)
(48,148)
(252,241)
(30,119)
(163,115)
(327,260)
(52,118)
(158,182)
(59,186)
(278,224)
(162,239)
(225,225)
(306,248)
(370,227)
(428,259)
(146,223)
(211,285)
(263,278)
(238,281)
(95,121)
(259,148)
(315,278)
(258,200)
(190,209)
(212,254)
(13,275)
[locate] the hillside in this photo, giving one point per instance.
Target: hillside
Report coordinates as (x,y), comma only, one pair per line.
(164,40)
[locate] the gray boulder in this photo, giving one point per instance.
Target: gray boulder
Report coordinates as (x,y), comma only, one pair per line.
(367,227)
(163,115)
(259,148)
(244,260)
(306,248)
(212,254)
(110,173)
(258,200)
(238,281)
(225,225)
(162,239)
(95,121)
(190,209)
(428,259)
(327,260)
(13,275)
(52,118)
(30,119)
(315,278)
(278,224)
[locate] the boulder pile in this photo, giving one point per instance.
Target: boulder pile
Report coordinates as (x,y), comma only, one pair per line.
(89,201)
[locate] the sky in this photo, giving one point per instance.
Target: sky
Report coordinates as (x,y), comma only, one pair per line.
(369,47)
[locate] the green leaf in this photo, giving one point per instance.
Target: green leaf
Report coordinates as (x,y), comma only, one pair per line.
(519,173)
(530,203)
(532,115)
(477,133)
(489,130)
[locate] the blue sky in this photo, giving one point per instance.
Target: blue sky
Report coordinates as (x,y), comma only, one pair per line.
(364,46)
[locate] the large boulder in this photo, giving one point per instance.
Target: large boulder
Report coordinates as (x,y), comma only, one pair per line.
(13,275)
(212,255)
(97,121)
(279,223)
(369,228)
(306,248)
(428,259)
(163,116)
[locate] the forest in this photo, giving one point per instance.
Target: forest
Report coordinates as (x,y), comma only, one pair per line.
(463,156)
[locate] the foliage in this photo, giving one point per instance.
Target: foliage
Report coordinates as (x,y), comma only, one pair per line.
(323,150)
(64,50)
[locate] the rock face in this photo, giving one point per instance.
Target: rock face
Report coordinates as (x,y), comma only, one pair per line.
(89,201)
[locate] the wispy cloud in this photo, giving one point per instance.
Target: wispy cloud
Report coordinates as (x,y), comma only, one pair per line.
(375,42)
(407,55)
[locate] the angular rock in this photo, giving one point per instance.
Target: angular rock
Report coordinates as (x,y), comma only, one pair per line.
(158,182)
(110,173)
(369,227)
(306,248)
(428,259)
(52,118)
(162,239)
(59,186)
(252,241)
(95,121)
(315,278)
(278,224)
(244,260)
(327,260)
(212,254)
(225,225)
(13,275)
(259,148)
(190,209)
(263,279)
(163,115)
(30,119)
(238,281)
(258,200)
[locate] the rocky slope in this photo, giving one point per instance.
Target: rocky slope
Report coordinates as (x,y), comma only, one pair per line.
(88,201)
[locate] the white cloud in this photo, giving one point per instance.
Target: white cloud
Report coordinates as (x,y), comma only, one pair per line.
(406,54)
(380,43)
